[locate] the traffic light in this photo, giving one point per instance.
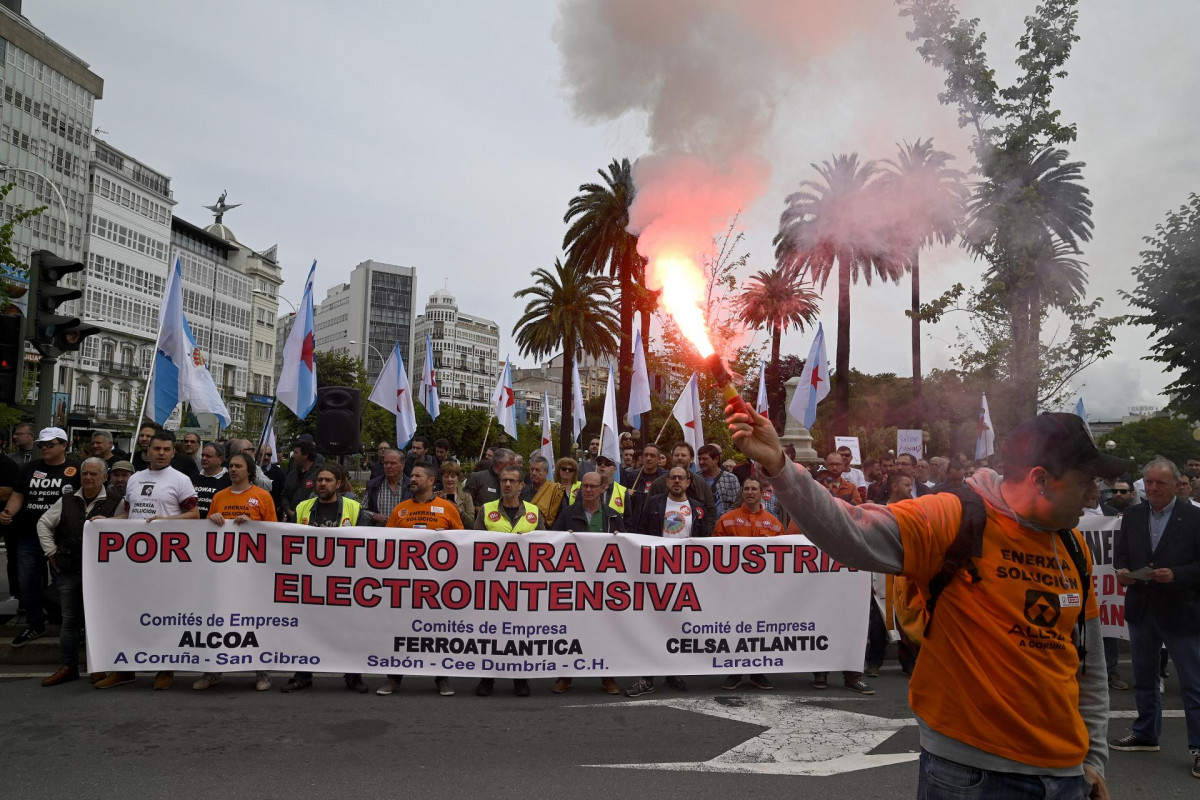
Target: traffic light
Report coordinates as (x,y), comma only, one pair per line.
(12,356)
(49,331)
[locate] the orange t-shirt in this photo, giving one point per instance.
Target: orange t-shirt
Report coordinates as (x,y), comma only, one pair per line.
(997,667)
(740,522)
(437,514)
(255,502)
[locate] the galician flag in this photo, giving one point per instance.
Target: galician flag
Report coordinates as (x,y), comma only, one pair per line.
(179,371)
(547,448)
(429,392)
(610,434)
(579,416)
(504,402)
(814,383)
(985,435)
(392,391)
(760,403)
(639,388)
(297,387)
(688,414)
(1079,412)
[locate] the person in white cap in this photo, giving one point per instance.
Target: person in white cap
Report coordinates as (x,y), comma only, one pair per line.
(40,484)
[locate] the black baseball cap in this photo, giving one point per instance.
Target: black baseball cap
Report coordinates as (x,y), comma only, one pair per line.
(1059,442)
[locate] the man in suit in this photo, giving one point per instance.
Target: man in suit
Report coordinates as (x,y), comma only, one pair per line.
(1163,606)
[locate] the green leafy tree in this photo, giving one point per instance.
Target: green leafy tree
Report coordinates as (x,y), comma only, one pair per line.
(597,242)
(569,309)
(1031,201)
(778,300)
(929,197)
(1168,297)
(1141,441)
(824,230)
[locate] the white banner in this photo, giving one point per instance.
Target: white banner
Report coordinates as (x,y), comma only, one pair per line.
(1100,533)
(273,596)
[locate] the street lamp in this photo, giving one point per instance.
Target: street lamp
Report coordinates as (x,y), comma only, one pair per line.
(382,360)
(261,293)
(57,193)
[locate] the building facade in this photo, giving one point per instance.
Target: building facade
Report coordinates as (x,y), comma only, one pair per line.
(126,252)
(48,95)
(367,316)
(466,352)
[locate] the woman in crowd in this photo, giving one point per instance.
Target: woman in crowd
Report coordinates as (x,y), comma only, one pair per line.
(566,472)
(241,503)
(451,473)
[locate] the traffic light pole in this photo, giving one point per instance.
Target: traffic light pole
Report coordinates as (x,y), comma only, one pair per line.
(44,411)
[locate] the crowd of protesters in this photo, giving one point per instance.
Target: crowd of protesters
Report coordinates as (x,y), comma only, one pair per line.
(46,495)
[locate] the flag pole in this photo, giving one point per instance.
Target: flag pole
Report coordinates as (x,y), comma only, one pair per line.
(267,423)
(149,378)
(483,447)
(663,430)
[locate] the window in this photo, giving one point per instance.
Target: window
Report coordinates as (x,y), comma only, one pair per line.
(104,401)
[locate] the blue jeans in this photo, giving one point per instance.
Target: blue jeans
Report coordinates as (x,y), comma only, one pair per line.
(31,564)
(943,780)
(70,593)
(1146,639)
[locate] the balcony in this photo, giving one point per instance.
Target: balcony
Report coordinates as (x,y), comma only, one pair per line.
(100,414)
(122,370)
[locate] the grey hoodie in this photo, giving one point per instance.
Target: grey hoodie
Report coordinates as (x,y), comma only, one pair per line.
(868,537)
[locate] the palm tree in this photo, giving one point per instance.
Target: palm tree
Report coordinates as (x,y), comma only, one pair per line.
(569,310)
(780,300)
(927,199)
(831,223)
(597,242)
(1030,214)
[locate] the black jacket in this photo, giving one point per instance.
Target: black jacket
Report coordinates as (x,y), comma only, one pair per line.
(574,518)
(1174,606)
(656,509)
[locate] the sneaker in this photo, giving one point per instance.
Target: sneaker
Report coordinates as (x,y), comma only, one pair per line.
(388,687)
(262,682)
(609,685)
(208,681)
(1195,762)
(114,679)
(561,685)
(761,682)
(28,635)
(860,687)
(164,680)
(62,675)
(355,684)
(1132,743)
(675,682)
(484,689)
(731,683)
(443,687)
(1115,682)
(820,680)
(296,685)
(640,687)
(521,687)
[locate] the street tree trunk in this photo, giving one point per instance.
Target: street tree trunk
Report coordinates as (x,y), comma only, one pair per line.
(841,389)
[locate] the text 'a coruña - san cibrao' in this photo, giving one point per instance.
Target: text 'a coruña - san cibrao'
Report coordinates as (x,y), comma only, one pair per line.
(612,585)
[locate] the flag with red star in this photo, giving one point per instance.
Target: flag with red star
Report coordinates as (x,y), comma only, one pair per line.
(297,388)
(814,382)
(504,401)
(429,390)
(547,448)
(393,392)
(687,413)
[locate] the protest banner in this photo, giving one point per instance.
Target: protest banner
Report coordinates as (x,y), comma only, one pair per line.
(852,443)
(911,442)
(1110,596)
(275,596)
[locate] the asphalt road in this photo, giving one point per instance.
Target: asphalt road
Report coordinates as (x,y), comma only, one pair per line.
(132,742)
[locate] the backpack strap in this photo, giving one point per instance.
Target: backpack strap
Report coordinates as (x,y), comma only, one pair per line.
(967,544)
(1079,559)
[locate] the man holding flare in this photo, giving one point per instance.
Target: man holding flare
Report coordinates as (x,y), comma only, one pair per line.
(1001,702)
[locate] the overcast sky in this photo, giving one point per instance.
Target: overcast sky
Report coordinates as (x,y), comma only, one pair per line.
(439,135)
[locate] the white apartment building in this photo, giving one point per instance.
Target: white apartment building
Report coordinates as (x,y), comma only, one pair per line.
(367,316)
(47,96)
(127,248)
(466,352)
